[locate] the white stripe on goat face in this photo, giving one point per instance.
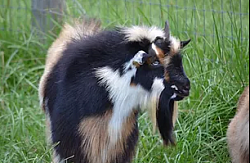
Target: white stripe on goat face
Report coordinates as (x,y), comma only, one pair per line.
(124,97)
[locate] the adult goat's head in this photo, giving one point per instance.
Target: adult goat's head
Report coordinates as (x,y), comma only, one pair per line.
(163,50)
(167,50)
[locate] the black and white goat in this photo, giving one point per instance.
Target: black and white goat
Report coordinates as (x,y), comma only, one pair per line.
(94,82)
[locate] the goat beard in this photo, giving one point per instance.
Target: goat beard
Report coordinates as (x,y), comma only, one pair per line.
(164,116)
(162,111)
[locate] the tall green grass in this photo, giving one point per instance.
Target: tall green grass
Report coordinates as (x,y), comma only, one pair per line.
(217,65)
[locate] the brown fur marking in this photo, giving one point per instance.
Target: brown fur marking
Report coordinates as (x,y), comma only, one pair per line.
(133,84)
(160,55)
(96,139)
(136,64)
(175,113)
(167,78)
(153,110)
(238,131)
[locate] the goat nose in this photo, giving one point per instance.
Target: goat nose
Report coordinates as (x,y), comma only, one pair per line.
(186,84)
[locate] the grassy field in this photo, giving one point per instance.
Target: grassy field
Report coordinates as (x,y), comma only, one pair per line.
(217,62)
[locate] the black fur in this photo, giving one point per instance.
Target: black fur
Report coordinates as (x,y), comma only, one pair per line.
(177,75)
(73,93)
(164,114)
(163,44)
(146,74)
(175,68)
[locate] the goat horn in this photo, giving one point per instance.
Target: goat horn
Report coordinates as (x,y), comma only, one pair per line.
(167,30)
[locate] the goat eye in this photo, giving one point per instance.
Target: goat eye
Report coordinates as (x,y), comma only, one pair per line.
(155,63)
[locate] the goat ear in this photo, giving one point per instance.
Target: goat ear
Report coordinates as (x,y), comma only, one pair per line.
(185,43)
(167,30)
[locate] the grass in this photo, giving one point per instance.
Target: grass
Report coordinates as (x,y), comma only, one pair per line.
(217,62)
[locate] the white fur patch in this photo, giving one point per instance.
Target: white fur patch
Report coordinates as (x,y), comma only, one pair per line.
(175,44)
(137,58)
(157,88)
(124,97)
(137,33)
(57,158)
(155,49)
(48,129)
(175,87)
(174,96)
(41,90)
(167,61)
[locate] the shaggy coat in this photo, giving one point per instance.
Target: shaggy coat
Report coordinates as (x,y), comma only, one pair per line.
(238,131)
(94,82)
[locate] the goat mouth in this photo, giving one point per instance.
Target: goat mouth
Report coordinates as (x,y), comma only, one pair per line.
(182,93)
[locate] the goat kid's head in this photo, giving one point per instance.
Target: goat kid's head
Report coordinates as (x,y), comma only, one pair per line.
(167,51)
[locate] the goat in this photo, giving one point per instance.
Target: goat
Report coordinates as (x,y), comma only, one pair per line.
(94,82)
(238,131)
